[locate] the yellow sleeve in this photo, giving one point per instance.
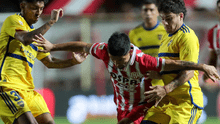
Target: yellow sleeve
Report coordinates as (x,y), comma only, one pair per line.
(189,48)
(41,55)
(13,23)
(131,36)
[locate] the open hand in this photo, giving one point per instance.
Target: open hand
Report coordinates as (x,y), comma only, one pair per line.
(156,94)
(78,57)
(42,42)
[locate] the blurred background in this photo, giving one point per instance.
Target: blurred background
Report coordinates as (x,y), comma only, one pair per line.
(84,93)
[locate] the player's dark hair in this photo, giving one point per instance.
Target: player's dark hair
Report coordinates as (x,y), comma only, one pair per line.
(174,6)
(31,1)
(218,1)
(119,44)
(150,2)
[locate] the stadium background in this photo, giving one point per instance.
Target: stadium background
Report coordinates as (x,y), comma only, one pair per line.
(83,93)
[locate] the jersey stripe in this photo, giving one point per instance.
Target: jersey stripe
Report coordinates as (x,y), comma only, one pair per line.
(10,39)
(149,47)
(34,47)
(21,58)
(8,104)
(168,55)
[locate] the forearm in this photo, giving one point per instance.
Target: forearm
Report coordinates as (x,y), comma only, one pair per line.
(171,65)
(27,37)
(57,63)
(182,77)
(71,46)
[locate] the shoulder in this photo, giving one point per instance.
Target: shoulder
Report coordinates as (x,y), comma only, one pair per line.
(136,28)
(210,31)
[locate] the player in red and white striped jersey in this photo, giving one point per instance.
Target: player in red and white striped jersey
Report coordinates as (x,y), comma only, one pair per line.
(214,44)
(127,66)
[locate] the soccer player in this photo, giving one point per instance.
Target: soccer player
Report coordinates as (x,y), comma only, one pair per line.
(148,35)
(213,39)
(127,66)
(19,103)
(180,102)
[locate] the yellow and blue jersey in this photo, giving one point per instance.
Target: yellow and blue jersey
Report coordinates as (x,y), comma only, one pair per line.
(16,59)
(182,45)
(147,39)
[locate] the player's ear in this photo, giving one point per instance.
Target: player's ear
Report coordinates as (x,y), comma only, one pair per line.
(181,15)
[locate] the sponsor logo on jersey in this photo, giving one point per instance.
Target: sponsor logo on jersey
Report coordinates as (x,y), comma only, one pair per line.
(169,43)
(101,46)
(139,39)
(21,103)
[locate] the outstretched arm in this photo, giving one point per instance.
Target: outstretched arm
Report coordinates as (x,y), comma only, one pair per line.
(52,62)
(27,37)
(74,46)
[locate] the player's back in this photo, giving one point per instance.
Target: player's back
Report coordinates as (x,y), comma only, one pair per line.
(148,40)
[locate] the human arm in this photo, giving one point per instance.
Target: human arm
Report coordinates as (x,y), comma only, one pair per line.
(27,37)
(51,62)
(74,46)
(212,61)
(159,92)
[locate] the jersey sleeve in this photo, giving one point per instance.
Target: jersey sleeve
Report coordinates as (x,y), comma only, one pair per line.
(149,63)
(99,50)
(41,55)
(210,39)
(189,48)
(13,23)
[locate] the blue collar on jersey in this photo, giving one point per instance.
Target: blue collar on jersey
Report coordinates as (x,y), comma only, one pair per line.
(170,35)
(32,27)
(149,29)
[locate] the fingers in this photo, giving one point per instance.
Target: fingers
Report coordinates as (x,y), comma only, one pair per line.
(157,101)
(153,98)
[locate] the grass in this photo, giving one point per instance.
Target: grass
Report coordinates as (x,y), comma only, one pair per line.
(106,120)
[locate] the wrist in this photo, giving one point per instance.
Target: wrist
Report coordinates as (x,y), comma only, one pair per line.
(50,23)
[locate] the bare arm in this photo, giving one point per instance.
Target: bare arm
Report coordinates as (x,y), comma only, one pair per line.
(27,37)
(212,61)
(182,77)
(52,62)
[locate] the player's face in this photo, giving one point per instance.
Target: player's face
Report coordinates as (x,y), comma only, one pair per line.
(120,61)
(149,12)
(218,9)
(171,21)
(32,11)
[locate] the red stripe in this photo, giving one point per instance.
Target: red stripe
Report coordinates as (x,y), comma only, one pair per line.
(93,7)
(55,4)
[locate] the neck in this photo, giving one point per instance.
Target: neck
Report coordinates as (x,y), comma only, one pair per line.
(150,24)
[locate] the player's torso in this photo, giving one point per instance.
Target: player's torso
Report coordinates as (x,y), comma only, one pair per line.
(148,40)
(16,60)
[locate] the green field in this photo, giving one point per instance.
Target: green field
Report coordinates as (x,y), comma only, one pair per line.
(63,120)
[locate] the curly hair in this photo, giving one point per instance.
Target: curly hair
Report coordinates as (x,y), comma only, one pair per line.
(174,6)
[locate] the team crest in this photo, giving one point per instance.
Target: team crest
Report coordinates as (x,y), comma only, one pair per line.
(21,23)
(160,36)
(21,103)
(101,46)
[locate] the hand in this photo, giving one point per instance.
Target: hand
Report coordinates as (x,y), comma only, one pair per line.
(55,14)
(42,42)
(125,121)
(211,72)
(79,57)
(157,93)
(153,75)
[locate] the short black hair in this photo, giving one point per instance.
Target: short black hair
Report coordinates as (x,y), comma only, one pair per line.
(31,1)
(150,2)
(119,44)
(174,6)
(218,1)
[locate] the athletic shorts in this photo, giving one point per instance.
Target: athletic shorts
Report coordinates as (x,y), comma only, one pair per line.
(15,102)
(171,111)
(122,114)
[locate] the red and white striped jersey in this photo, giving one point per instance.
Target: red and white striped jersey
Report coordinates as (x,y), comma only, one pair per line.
(214,41)
(129,84)
(214,38)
